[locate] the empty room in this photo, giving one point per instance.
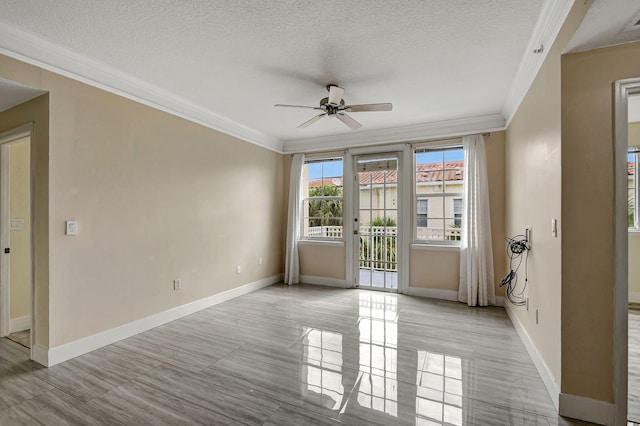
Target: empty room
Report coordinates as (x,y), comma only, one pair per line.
(340,212)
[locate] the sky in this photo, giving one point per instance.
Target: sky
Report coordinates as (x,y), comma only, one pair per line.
(334,168)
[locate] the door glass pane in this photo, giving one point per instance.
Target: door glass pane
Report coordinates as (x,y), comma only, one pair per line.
(378,222)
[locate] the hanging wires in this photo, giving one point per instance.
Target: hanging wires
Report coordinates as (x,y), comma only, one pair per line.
(517,248)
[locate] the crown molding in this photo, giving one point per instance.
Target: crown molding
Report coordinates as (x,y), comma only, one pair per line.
(553,15)
(42,53)
(437,129)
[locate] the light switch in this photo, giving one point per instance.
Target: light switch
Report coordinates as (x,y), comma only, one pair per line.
(72,227)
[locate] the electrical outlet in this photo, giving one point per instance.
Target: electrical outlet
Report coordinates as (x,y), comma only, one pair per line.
(528,233)
(177,284)
(527,304)
(537,317)
(554,228)
(260,261)
(238,269)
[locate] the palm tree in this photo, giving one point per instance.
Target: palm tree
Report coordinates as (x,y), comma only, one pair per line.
(323,210)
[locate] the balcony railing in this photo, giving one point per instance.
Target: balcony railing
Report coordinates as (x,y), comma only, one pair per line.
(424,233)
(379,244)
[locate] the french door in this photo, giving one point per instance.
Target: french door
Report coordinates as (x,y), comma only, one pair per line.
(376,221)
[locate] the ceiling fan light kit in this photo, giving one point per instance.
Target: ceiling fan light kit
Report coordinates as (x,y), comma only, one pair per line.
(335,106)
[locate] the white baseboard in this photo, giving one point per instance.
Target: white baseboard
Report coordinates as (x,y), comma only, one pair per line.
(634,297)
(19,324)
(87,344)
(40,355)
(587,409)
(434,293)
(549,380)
(331,282)
(437,293)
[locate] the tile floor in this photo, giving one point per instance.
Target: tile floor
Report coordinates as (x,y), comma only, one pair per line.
(300,355)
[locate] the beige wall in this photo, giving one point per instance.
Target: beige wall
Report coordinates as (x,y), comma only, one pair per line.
(35,111)
(156,198)
(587,257)
(533,198)
(20,239)
(634,134)
(322,260)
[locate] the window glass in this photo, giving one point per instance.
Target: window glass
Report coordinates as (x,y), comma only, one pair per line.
(632,188)
(322,198)
(439,175)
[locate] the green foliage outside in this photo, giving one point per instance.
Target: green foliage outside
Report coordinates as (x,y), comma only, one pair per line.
(324,212)
(379,221)
(378,248)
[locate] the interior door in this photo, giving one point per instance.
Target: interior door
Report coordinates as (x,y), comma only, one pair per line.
(376,221)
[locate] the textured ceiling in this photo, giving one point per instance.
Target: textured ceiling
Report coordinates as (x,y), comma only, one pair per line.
(434,60)
(607,23)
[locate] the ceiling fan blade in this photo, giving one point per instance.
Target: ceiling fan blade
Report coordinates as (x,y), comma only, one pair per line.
(335,94)
(368,107)
(297,106)
(348,120)
(313,120)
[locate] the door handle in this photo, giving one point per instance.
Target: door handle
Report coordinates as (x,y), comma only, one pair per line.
(7,250)
(355,232)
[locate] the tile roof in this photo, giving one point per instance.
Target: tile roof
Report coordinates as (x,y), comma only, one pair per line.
(429,172)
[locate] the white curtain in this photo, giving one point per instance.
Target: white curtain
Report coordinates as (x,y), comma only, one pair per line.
(292,262)
(476,256)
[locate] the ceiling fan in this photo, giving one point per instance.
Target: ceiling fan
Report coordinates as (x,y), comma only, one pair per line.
(334,106)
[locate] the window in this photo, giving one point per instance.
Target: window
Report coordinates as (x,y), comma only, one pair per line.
(457,212)
(322,198)
(422,212)
(633,158)
(438,183)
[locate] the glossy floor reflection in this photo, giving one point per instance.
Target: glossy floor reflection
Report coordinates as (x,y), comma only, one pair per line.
(292,356)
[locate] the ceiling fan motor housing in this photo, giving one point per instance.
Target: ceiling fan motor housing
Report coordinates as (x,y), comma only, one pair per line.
(331,108)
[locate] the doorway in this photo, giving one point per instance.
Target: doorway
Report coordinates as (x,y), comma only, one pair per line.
(376,221)
(16,291)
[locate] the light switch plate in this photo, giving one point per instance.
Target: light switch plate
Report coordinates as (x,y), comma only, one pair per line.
(71,227)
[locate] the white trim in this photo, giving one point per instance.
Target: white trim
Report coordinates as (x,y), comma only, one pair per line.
(550,382)
(434,293)
(20,324)
(330,282)
(442,294)
(590,410)
(5,285)
(87,344)
(40,354)
(435,247)
(406,231)
(621,91)
(44,54)
(634,297)
(418,132)
(553,15)
(321,242)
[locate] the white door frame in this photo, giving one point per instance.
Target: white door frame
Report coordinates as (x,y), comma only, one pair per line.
(7,138)
(622,90)
(403,153)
